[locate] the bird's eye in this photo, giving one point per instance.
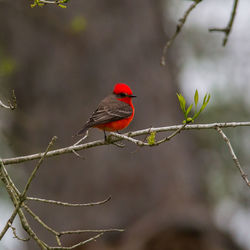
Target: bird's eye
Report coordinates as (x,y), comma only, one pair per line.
(122,95)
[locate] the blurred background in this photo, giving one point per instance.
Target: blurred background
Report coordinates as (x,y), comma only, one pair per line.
(185,194)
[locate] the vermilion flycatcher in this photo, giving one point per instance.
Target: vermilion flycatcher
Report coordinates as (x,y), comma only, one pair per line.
(114,112)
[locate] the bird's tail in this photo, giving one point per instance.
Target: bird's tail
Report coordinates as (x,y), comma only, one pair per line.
(83,130)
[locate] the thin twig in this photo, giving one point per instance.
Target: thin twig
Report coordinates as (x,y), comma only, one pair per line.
(227,30)
(30,232)
(39,220)
(36,168)
(7,180)
(78,142)
(69,204)
(177,31)
(97,143)
(3,105)
(78,244)
(172,135)
(235,159)
(58,240)
(16,236)
(83,138)
(125,137)
(50,2)
(13,197)
(92,231)
(12,104)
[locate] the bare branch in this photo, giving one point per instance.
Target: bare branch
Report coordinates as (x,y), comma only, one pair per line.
(39,220)
(21,197)
(3,105)
(69,204)
(18,201)
(77,245)
(16,236)
(44,2)
(12,104)
(92,231)
(178,30)
(97,143)
(37,167)
(235,159)
(172,135)
(49,2)
(125,137)
(14,195)
(228,28)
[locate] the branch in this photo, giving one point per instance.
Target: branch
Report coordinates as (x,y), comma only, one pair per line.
(12,104)
(92,231)
(172,135)
(18,200)
(16,236)
(36,168)
(235,159)
(228,28)
(22,196)
(41,3)
(39,220)
(14,197)
(178,30)
(69,204)
(77,245)
(49,2)
(59,234)
(125,136)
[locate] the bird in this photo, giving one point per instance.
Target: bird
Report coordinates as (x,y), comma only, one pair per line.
(114,112)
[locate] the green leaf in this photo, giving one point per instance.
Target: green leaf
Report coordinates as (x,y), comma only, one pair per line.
(62,6)
(151,138)
(208,98)
(182,102)
(189,109)
(196,97)
(204,99)
(37,3)
(204,104)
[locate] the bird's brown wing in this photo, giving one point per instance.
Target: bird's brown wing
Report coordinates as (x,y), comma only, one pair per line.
(110,109)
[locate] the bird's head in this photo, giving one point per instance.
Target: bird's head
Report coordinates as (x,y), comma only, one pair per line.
(122,90)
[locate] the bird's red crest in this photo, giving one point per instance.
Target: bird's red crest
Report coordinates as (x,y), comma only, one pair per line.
(122,88)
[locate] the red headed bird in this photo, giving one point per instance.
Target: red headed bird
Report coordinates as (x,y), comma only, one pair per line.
(114,112)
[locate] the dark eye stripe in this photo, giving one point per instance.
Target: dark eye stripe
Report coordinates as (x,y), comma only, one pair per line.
(122,95)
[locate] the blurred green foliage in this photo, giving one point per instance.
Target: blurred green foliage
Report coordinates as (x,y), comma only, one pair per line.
(7,66)
(78,24)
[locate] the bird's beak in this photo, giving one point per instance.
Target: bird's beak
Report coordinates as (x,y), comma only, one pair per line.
(132,96)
